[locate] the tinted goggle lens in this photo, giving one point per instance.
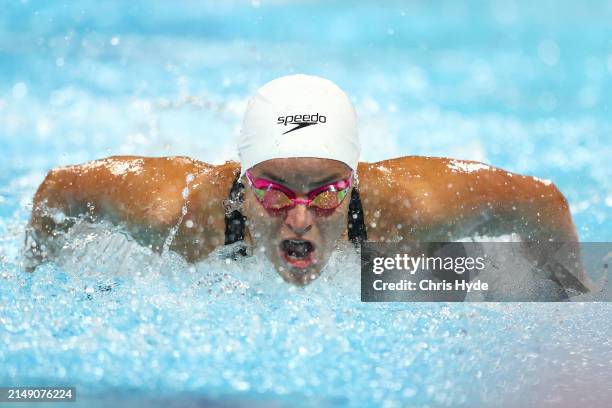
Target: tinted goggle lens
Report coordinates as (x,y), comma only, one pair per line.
(274,196)
(274,199)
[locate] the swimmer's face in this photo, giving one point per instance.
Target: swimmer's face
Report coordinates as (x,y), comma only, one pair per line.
(298,240)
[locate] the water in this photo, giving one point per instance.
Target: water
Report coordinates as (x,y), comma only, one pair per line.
(520,85)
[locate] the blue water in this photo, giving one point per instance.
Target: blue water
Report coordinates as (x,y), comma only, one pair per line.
(521,85)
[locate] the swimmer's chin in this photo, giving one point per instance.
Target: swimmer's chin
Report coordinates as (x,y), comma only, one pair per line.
(298,277)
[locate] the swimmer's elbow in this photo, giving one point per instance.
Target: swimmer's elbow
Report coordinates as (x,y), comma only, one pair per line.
(53,196)
(43,189)
(554,216)
(53,186)
(43,194)
(42,225)
(556,199)
(557,208)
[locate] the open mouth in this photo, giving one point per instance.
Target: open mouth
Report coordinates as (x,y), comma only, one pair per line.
(297,252)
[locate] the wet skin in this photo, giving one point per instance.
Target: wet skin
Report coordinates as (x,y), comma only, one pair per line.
(409,198)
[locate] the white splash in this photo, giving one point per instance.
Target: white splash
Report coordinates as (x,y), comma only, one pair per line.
(117,167)
(120,168)
(546,182)
(466,167)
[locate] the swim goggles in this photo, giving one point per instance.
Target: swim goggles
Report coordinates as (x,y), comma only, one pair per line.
(273,196)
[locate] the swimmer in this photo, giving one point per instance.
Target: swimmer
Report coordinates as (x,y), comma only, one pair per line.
(297,190)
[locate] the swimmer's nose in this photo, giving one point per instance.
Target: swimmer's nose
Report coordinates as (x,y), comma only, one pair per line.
(299,219)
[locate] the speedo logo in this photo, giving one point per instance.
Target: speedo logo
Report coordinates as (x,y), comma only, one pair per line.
(301,121)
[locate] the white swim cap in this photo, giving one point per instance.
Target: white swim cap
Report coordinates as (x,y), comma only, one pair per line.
(299,116)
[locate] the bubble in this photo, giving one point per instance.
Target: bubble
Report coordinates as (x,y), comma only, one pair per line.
(43,126)
(20,90)
(58,217)
(549,52)
(594,68)
(415,79)
(115,41)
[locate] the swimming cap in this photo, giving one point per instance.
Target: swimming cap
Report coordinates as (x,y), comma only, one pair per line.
(299,116)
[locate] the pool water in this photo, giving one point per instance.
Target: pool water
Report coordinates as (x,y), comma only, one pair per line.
(520,85)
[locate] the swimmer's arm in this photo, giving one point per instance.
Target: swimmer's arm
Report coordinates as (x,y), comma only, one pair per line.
(145,195)
(435,199)
(448,199)
(495,202)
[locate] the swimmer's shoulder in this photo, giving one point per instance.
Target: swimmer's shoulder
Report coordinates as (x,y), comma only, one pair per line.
(424,167)
(408,177)
(152,179)
(167,166)
(418,192)
(400,191)
(147,190)
(450,179)
(429,175)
